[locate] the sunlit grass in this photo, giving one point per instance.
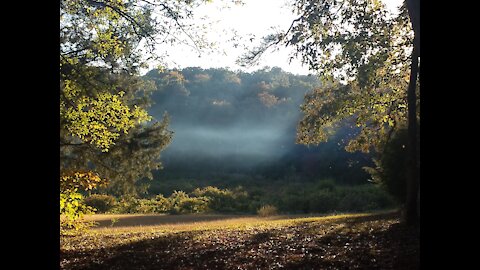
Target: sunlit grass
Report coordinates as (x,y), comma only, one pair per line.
(137,223)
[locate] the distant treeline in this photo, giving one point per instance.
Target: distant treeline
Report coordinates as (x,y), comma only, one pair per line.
(236,126)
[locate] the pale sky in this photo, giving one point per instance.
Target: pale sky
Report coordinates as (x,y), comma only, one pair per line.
(256,17)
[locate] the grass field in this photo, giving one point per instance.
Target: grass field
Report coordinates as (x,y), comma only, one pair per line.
(169,223)
(349,241)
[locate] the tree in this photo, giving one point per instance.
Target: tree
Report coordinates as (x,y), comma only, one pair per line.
(413,178)
(363,54)
(105,130)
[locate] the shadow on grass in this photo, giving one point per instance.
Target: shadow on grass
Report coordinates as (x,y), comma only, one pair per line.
(174,251)
(362,244)
(373,242)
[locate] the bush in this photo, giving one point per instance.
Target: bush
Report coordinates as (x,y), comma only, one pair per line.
(314,197)
(325,196)
(267,210)
(126,205)
(224,200)
(103,203)
(355,201)
(72,209)
(163,205)
(363,198)
(219,200)
(159,205)
(324,201)
(178,203)
(192,205)
(391,167)
(294,203)
(181,203)
(326,184)
(293,197)
(146,206)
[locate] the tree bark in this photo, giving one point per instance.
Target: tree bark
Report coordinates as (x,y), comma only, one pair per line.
(413,7)
(411,214)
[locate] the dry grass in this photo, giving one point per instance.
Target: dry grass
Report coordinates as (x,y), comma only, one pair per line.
(134,223)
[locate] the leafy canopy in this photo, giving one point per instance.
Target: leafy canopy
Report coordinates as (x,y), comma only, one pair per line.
(361,51)
(104,125)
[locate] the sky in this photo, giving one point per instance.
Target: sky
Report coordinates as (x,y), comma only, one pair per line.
(256,18)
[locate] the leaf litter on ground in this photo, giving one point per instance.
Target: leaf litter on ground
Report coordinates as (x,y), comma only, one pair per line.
(362,241)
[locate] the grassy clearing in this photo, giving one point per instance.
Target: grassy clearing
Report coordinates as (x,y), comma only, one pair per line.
(177,223)
(347,241)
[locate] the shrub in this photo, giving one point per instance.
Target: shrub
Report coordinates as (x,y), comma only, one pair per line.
(131,205)
(126,205)
(224,200)
(365,197)
(354,201)
(267,210)
(159,204)
(103,203)
(324,197)
(72,208)
(146,206)
(163,205)
(326,184)
(193,205)
(324,201)
(220,200)
(178,203)
(72,204)
(390,169)
(182,203)
(293,203)
(319,197)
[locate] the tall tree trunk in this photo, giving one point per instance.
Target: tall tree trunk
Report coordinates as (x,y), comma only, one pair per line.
(411,204)
(411,213)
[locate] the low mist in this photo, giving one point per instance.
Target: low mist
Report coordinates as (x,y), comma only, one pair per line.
(236,122)
(242,140)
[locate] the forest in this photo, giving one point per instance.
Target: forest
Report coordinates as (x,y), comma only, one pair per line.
(236,131)
(198,167)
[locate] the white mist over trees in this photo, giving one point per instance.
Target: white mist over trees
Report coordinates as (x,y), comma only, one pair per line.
(226,121)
